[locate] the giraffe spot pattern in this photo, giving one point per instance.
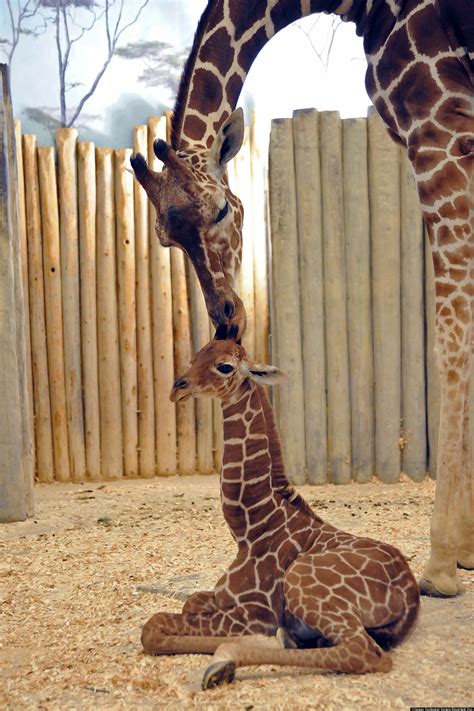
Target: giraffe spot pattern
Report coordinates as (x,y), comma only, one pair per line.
(218,51)
(428,104)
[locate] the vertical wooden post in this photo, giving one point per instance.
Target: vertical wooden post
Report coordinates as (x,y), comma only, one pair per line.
(146,406)
(359,303)
(127,309)
(67,189)
(16,476)
(200,327)
(107,320)
(384,186)
(25,284)
(243,187)
(337,354)
(44,442)
(414,459)
(163,366)
(260,248)
(310,244)
(286,292)
(185,413)
(53,309)
(433,386)
(88,267)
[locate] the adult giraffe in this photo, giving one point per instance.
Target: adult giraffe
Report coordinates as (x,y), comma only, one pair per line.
(420,77)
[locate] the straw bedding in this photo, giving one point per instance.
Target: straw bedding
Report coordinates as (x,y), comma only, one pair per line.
(98,559)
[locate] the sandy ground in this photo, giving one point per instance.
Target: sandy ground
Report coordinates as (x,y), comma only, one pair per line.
(75,591)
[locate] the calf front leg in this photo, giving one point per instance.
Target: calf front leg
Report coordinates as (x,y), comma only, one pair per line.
(200,632)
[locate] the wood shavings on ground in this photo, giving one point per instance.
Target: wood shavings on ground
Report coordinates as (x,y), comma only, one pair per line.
(79,580)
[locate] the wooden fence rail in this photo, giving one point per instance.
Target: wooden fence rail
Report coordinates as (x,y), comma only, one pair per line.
(113,317)
(343,197)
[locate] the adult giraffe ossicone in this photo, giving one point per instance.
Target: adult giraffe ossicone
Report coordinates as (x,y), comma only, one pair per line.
(296,580)
(420,78)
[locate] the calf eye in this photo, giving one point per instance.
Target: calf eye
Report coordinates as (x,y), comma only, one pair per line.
(225,368)
(222,213)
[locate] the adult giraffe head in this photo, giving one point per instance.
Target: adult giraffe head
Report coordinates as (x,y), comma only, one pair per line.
(197,212)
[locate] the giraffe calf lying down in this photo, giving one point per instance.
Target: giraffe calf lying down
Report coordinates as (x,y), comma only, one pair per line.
(299,592)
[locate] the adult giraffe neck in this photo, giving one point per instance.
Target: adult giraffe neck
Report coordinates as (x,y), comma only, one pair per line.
(228,38)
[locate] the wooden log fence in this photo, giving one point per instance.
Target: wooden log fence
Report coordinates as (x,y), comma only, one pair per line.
(113,317)
(364,265)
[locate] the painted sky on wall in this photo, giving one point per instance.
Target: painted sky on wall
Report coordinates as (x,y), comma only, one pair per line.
(286,75)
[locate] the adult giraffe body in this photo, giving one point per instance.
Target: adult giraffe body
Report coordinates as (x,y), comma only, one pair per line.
(421,79)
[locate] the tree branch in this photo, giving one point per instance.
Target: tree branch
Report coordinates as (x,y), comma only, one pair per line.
(87,96)
(325,54)
(61,64)
(132,22)
(107,27)
(112,42)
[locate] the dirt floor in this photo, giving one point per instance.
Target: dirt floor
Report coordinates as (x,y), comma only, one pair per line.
(79,580)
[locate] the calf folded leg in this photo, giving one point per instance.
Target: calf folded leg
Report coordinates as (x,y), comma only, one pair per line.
(199,632)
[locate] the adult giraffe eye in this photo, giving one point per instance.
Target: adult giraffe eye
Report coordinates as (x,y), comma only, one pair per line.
(222,213)
(225,368)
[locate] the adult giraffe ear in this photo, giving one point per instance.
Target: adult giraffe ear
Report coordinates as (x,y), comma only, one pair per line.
(228,141)
(265,374)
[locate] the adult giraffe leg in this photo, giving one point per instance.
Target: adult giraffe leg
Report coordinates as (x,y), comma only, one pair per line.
(465,556)
(447,201)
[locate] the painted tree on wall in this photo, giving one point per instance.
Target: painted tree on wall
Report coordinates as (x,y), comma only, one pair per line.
(320,43)
(19,14)
(163,63)
(70,27)
(69,21)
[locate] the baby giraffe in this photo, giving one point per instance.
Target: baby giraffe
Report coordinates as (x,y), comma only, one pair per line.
(296,581)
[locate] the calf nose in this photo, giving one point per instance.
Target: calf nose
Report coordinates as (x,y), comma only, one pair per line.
(180,383)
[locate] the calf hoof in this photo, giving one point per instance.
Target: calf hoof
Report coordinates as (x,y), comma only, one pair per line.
(444,587)
(217,673)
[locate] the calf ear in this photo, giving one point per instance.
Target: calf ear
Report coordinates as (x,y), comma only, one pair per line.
(228,141)
(265,374)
